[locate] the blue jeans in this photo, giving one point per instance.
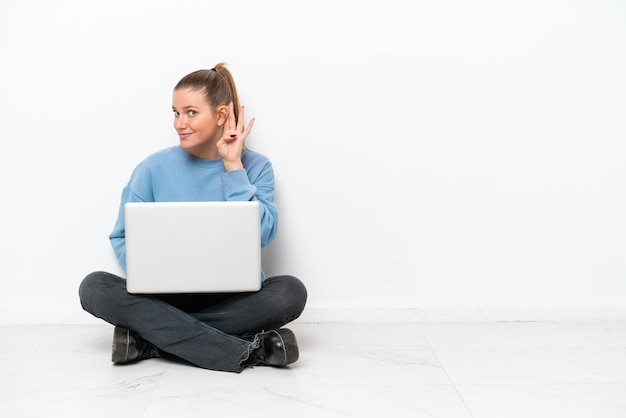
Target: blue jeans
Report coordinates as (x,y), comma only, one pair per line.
(212,331)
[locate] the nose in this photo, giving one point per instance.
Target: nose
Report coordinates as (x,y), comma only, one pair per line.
(180,122)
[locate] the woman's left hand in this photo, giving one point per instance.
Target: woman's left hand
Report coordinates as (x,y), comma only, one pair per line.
(230,145)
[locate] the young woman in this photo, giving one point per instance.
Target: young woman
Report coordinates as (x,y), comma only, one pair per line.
(225,332)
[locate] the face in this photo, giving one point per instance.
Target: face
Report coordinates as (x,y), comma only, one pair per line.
(199,126)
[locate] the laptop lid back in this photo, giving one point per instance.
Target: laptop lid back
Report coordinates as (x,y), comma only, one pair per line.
(193,247)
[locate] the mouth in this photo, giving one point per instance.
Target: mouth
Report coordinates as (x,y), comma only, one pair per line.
(183,135)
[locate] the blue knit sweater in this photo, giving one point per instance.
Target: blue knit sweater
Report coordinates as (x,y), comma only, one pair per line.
(174,175)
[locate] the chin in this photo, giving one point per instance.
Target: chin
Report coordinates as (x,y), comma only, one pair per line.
(185,144)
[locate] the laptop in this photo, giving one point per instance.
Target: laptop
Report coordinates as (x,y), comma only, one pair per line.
(193,247)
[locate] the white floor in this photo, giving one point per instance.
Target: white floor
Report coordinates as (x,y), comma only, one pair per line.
(500,370)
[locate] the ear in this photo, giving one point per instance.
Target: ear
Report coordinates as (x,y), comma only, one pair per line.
(222,115)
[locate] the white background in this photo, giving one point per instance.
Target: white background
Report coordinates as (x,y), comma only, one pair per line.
(441,156)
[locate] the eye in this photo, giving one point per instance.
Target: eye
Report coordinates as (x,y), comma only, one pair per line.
(176,112)
(192,113)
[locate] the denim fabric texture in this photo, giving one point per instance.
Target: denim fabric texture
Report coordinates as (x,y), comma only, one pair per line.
(212,331)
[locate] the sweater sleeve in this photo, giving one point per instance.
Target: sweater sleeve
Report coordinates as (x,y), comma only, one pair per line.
(255,183)
(140,179)
(118,236)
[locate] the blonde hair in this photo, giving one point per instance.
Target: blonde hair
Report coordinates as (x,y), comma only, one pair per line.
(217,84)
